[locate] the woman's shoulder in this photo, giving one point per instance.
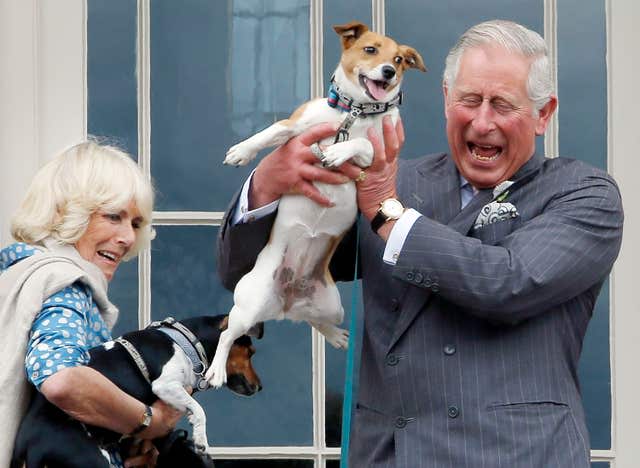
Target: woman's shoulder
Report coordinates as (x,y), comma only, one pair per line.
(76,296)
(15,252)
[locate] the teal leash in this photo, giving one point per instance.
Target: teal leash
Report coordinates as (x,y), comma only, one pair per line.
(347,401)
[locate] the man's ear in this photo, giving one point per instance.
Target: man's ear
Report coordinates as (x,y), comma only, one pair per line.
(445,93)
(545,114)
(350,32)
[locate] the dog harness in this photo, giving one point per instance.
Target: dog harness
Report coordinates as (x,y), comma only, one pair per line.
(345,103)
(188,342)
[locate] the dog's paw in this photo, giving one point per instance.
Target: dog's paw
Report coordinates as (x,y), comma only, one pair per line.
(239,155)
(216,375)
(335,155)
(338,337)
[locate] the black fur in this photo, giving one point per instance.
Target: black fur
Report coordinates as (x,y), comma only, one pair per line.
(49,437)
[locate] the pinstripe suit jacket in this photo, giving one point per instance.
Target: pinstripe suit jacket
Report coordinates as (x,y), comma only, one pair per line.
(471,341)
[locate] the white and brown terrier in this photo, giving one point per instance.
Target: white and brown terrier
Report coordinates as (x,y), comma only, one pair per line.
(291,278)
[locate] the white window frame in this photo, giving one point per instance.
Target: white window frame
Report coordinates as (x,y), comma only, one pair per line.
(44,109)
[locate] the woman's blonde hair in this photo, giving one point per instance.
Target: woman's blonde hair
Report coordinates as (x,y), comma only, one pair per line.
(82,180)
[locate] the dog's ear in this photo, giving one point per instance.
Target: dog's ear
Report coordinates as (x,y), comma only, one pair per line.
(412,57)
(257,331)
(350,32)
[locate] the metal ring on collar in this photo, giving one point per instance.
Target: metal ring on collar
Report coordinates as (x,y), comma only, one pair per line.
(317,152)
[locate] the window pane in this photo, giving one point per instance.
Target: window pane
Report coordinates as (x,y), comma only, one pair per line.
(220,71)
(184,283)
(600,465)
(111,72)
(123,293)
(336,362)
(582,116)
(432,32)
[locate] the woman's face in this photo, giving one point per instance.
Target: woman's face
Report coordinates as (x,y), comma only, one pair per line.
(109,237)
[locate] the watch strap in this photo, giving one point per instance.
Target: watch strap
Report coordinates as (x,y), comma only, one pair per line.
(145,422)
(378,220)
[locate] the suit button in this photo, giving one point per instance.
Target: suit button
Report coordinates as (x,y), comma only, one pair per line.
(410,276)
(453,411)
(427,282)
(392,360)
(449,349)
(400,422)
(419,278)
(435,287)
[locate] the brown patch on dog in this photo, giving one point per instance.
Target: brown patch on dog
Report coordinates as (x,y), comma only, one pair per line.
(224,324)
(363,50)
(239,362)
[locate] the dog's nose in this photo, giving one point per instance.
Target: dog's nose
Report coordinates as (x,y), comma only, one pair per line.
(388,72)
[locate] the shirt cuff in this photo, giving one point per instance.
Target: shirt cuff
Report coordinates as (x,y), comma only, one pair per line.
(241,212)
(398,234)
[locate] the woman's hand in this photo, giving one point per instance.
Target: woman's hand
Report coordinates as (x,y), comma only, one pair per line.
(142,454)
(292,168)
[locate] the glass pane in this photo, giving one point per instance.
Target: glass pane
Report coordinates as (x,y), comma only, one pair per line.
(583,135)
(264,463)
(336,362)
(422,107)
(217,78)
(111,72)
(600,465)
(333,463)
(339,12)
(123,292)
(184,283)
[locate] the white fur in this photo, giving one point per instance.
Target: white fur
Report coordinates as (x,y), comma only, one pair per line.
(177,374)
(304,233)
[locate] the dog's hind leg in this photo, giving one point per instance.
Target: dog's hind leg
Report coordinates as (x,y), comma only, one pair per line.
(336,336)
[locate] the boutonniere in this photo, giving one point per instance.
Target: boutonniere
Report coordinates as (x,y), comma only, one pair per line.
(498,209)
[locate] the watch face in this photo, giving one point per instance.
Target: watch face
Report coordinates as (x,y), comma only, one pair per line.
(392,208)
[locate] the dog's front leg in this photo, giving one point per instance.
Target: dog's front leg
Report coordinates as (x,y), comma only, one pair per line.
(358,150)
(275,135)
(173,393)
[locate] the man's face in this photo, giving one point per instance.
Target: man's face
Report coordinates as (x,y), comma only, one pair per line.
(491,125)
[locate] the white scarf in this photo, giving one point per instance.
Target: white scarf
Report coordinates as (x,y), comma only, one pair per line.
(23,288)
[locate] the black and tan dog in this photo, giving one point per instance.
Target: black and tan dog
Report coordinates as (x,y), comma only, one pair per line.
(157,362)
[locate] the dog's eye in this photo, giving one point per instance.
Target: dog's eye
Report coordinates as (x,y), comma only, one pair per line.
(371,50)
(398,59)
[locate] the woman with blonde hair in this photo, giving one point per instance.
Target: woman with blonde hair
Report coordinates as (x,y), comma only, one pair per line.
(86,210)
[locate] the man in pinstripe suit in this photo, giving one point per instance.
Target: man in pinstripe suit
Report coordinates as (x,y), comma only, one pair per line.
(477,295)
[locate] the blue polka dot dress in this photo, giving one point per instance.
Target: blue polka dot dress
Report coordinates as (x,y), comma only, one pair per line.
(64,330)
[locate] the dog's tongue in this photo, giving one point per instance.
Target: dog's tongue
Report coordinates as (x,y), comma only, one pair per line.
(375,89)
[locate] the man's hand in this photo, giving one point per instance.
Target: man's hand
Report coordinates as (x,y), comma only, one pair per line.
(380,178)
(292,168)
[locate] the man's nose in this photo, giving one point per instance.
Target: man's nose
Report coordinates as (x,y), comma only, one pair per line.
(484,120)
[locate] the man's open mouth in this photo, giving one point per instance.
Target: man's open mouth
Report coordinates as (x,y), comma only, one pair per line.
(484,152)
(375,89)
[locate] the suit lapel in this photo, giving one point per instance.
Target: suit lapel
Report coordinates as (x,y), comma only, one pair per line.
(443,205)
(439,183)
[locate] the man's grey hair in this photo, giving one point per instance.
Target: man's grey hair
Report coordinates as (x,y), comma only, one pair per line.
(513,37)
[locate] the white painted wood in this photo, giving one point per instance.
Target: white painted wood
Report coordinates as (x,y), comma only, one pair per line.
(42,90)
(624,164)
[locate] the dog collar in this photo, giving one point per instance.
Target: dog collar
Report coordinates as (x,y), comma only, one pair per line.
(338,99)
(345,103)
(188,342)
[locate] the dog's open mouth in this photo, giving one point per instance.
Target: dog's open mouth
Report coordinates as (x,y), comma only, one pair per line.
(375,89)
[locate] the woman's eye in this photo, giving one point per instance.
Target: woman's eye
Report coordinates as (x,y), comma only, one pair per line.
(371,50)
(112,217)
